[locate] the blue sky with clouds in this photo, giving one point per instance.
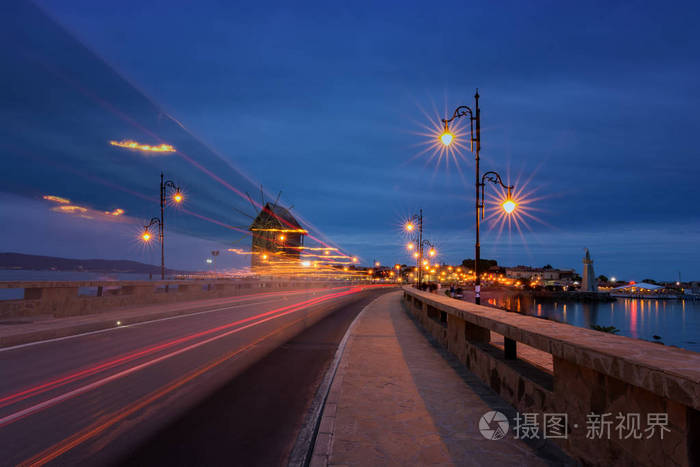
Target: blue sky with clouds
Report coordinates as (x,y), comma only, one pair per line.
(593,105)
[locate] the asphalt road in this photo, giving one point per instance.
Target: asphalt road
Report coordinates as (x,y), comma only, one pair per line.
(254,420)
(93,399)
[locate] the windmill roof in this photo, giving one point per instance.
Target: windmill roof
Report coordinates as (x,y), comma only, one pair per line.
(274,214)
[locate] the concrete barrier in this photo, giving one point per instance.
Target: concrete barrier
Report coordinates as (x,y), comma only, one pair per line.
(596,379)
(60,299)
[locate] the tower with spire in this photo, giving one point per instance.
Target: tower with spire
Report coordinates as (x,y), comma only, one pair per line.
(589,282)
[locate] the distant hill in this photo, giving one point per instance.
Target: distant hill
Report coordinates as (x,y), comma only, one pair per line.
(50,263)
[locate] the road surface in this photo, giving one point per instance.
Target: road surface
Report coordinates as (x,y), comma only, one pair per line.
(96,398)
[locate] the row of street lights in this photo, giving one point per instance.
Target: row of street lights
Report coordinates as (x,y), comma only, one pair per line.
(177,198)
(415,224)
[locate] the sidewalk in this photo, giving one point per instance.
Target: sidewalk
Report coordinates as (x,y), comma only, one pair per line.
(396,400)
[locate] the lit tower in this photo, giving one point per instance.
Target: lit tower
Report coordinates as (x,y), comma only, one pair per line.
(589,282)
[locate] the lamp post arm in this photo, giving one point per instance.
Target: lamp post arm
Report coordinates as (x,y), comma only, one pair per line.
(154,221)
(171,184)
(495,178)
(461,111)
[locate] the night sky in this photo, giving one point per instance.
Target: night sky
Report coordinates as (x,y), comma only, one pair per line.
(591,110)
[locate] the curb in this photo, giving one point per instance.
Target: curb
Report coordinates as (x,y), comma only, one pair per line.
(313,444)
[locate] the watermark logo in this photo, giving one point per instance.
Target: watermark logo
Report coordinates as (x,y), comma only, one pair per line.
(493,425)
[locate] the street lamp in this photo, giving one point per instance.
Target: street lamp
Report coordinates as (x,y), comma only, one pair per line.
(146,235)
(178,197)
(413,221)
(475,138)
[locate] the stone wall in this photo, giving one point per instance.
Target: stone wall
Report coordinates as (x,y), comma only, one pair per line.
(593,373)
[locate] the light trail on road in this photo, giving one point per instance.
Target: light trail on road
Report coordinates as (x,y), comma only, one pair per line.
(202,350)
(106,422)
(24,394)
(194,313)
(53,401)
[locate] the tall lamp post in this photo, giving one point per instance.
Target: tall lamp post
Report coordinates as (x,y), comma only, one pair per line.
(475,143)
(177,198)
(416,222)
(431,252)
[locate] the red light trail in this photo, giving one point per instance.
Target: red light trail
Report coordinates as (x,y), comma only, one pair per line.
(252,321)
(107,421)
(99,367)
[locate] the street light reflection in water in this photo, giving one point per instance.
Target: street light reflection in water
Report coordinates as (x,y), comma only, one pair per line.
(675,322)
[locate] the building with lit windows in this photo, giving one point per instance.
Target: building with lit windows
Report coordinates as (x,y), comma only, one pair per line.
(528,273)
(277,237)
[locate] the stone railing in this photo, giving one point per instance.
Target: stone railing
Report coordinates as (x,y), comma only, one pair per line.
(68,298)
(595,376)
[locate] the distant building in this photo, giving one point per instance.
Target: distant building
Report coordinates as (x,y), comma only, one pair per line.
(641,289)
(277,237)
(542,274)
(589,283)
(496,270)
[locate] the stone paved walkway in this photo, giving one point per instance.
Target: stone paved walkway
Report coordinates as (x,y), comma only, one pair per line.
(396,400)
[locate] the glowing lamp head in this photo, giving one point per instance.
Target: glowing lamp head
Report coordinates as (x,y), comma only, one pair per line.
(509,206)
(377,264)
(264,257)
(177,197)
(354,259)
(282,238)
(446,138)
(146,236)
(410,227)
(409,246)
(415,255)
(432,252)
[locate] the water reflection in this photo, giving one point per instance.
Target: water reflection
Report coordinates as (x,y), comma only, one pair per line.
(676,322)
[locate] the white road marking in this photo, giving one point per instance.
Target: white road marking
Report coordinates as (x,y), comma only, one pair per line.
(141,323)
(95,384)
